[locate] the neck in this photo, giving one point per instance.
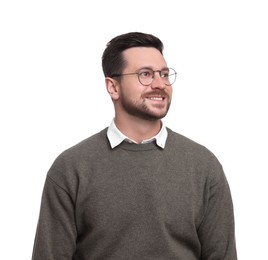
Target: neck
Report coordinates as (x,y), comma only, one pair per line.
(138,129)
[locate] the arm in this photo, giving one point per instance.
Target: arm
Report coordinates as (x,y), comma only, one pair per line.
(216,233)
(56,232)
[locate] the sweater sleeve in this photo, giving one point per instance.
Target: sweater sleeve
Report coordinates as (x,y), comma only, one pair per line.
(216,233)
(56,231)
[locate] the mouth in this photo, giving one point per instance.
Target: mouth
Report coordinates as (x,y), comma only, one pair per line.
(156,98)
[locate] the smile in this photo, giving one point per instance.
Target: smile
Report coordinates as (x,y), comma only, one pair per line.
(156,98)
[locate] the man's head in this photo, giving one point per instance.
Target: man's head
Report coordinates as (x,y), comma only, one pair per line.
(137,76)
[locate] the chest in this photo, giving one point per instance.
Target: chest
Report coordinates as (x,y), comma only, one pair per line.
(138,193)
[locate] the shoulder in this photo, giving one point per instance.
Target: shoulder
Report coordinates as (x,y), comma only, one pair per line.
(91,145)
(183,143)
(195,154)
(81,155)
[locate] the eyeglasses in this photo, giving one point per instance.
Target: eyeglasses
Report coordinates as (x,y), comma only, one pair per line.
(147,75)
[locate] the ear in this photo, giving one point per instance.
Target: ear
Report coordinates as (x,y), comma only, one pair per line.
(112,87)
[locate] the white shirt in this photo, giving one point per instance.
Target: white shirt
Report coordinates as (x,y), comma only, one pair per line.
(116,137)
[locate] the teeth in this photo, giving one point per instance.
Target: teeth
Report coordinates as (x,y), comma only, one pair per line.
(156,98)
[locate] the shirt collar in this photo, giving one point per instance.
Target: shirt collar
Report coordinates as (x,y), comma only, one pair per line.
(116,137)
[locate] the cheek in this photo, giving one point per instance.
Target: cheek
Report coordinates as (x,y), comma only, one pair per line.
(170,89)
(129,97)
(131,91)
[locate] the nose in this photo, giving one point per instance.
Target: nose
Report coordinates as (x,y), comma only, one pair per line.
(158,81)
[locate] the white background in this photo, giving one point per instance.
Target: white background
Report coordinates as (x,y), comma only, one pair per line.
(53,96)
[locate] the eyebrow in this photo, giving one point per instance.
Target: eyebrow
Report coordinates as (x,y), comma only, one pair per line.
(151,68)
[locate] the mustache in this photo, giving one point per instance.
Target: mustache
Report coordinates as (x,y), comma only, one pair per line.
(157,93)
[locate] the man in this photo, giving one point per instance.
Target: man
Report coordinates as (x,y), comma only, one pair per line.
(136,190)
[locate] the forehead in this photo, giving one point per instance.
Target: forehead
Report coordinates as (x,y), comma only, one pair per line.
(139,57)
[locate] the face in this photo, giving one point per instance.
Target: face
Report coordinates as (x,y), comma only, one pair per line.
(146,102)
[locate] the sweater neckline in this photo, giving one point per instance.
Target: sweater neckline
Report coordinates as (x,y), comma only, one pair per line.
(139,147)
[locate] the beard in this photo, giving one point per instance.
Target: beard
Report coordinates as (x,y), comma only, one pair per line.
(143,111)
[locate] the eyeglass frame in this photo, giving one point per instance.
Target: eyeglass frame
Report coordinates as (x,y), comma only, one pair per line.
(138,74)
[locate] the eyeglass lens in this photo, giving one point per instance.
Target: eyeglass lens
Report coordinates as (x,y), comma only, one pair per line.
(146,76)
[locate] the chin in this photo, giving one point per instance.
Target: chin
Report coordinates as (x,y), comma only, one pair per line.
(154,117)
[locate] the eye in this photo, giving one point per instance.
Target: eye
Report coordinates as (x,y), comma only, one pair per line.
(145,74)
(165,74)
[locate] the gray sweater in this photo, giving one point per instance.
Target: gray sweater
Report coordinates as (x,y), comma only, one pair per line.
(136,202)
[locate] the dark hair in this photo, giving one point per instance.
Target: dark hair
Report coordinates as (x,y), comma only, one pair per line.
(112,59)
